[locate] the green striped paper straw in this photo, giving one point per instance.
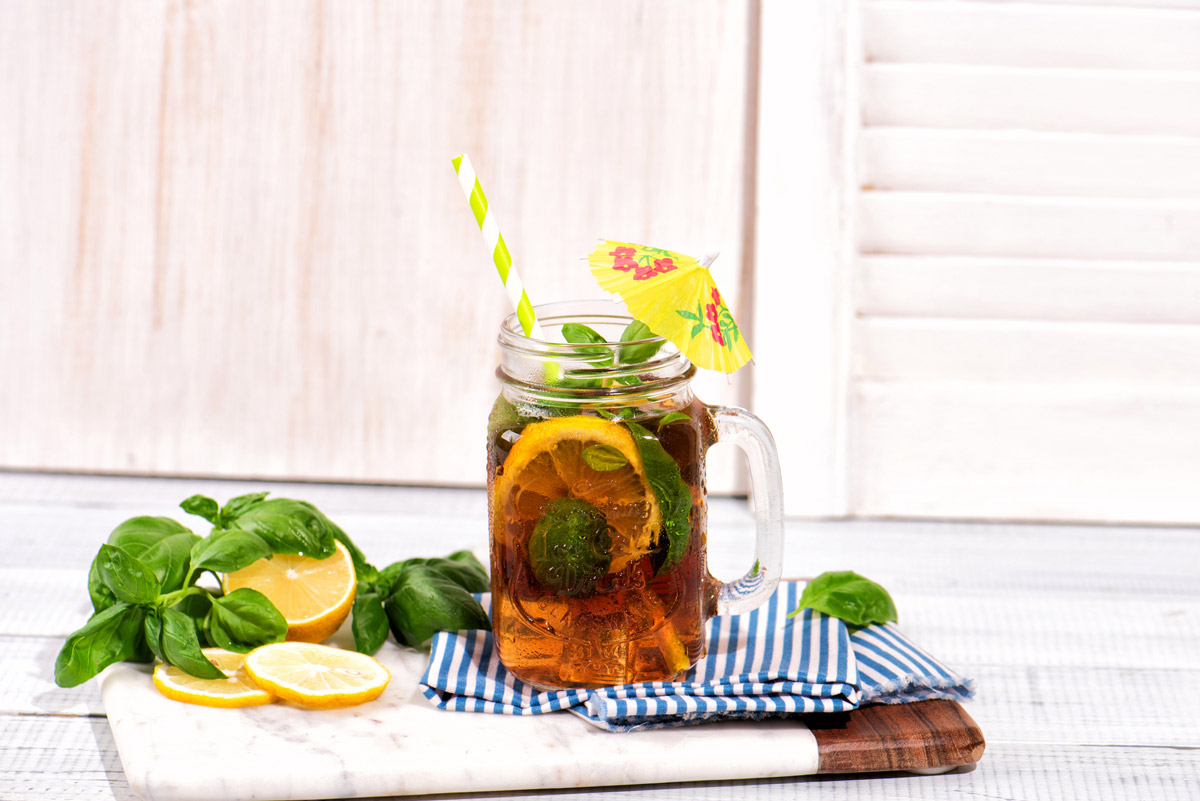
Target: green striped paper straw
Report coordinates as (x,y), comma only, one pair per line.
(494,243)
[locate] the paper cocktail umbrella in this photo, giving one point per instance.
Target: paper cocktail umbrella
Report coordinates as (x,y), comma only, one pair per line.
(675,296)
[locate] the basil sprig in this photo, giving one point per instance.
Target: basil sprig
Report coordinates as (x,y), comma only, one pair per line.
(596,349)
(417,598)
(147,603)
(846,595)
(143,587)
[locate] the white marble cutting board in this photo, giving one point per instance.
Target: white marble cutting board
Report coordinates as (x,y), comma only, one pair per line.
(402,745)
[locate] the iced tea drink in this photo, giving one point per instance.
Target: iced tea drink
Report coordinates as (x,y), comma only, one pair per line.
(597,505)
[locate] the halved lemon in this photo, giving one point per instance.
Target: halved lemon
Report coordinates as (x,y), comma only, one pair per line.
(314,595)
(547,463)
(317,675)
(237,690)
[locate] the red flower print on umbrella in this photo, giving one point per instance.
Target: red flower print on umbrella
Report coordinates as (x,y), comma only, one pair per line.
(676,297)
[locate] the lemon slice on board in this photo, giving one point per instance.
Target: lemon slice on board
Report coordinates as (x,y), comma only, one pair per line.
(315,596)
(317,675)
(235,691)
(547,463)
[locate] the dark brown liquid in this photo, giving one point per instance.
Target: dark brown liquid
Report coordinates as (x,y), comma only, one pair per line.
(643,620)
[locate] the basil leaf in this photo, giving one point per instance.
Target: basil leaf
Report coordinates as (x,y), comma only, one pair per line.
(110,636)
(672,418)
(465,570)
(468,558)
(461,567)
(169,559)
(203,506)
(369,623)
(579,334)
(423,602)
(236,506)
(102,597)
(363,570)
(245,619)
(128,578)
(600,355)
(161,543)
(603,458)
(152,631)
(181,646)
(640,351)
(674,497)
(137,534)
(845,594)
(196,605)
(288,526)
(229,550)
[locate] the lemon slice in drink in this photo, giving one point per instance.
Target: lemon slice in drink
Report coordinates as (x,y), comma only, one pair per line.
(235,691)
(314,595)
(547,463)
(317,675)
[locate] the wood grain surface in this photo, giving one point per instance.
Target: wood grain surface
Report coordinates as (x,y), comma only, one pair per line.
(1082,639)
(232,242)
(917,736)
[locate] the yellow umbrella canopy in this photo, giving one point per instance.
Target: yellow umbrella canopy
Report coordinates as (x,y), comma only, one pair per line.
(676,297)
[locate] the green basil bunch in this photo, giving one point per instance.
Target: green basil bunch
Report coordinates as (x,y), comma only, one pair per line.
(147,604)
(417,598)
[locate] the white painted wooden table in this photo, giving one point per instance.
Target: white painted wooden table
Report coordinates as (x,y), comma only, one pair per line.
(1085,641)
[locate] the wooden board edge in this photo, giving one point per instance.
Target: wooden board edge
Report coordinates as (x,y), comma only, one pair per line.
(885,737)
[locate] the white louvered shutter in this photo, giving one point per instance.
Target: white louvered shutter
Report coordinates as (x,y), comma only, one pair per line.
(1020,267)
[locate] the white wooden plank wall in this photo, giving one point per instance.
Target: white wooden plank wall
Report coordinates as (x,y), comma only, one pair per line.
(231,242)
(1027,289)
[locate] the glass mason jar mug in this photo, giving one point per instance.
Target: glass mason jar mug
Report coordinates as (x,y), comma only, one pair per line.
(598,516)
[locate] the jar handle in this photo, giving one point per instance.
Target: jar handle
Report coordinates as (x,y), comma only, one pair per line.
(741,428)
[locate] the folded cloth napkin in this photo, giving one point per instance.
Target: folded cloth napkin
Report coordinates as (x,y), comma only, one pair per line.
(759,664)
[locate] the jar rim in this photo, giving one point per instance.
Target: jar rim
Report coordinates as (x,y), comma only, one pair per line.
(564,311)
(522,355)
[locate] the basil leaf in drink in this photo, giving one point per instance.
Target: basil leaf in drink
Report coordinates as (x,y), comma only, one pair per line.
(604,458)
(579,334)
(369,623)
(288,526)
(570,547)
(202,506)
(617,416)
(113,635)
(245,619)
(674,497)
(673,417)
(423,602)
(846,595)
(127,577)
(638,351)
(229,550)
(181,646)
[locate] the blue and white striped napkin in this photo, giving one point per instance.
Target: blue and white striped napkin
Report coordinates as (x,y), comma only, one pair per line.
(760,664)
